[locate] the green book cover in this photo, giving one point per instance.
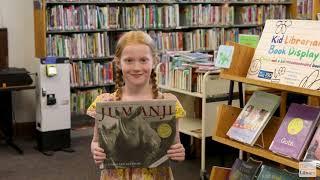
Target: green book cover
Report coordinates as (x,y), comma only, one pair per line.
(249,40)
(272,173)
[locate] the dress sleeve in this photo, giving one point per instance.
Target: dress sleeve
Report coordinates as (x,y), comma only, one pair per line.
(180,112)
(91,111)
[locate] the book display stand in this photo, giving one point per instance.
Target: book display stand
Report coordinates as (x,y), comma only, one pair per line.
(227,114)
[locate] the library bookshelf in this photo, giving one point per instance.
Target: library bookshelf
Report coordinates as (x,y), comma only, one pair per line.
(200,126)
(227,115)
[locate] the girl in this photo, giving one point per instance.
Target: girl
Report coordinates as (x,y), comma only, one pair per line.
(135,60)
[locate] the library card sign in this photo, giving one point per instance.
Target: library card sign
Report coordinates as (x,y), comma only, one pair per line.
(288,53)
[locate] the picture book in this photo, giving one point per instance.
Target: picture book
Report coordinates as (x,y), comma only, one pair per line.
(254,117)
(136,133)
(245,170)
(272,173)
(313,151)
(295,131)
(224,57)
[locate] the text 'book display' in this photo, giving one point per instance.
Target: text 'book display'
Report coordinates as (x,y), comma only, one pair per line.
(136,133)
(285,48)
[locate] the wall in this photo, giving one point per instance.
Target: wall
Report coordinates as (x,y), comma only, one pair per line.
(17,16)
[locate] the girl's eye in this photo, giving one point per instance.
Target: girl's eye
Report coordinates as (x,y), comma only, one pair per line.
(144,60)
(128,60)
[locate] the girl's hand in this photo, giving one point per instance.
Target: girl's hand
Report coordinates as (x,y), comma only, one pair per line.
(176,152)
(98,153)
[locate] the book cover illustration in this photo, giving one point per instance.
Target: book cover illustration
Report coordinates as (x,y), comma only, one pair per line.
(295,131)
(245,170)
(224,57)
(254,117)
(272,173)
(313,151)
(136,133)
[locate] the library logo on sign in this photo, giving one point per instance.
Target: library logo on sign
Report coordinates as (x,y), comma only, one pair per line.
(307,169)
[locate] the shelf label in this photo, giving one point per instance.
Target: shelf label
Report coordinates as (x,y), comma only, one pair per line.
(307,169)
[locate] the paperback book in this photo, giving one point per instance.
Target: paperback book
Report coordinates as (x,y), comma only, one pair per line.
(136,133)
(254,117)
(245,170)
(295,131)
(313,151)
(272,173)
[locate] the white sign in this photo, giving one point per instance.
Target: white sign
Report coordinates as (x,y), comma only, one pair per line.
(288,53)
(307,169)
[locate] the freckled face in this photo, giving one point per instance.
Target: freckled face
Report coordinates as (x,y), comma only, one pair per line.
(136,64)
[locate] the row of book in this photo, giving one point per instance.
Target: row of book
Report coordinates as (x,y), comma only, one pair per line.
(90,74)
(85,17)
(81,100)
(200,39)
(185,70)
(95,45)
(304,9)
(255,170)
(194,15)
(83,45)
(294,134)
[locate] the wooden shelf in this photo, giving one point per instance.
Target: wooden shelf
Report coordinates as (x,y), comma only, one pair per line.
(191,127)
(272,85)
(226,117)
(219,173)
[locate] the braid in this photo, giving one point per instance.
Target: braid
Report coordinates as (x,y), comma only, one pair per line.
(155,89)
(119,83)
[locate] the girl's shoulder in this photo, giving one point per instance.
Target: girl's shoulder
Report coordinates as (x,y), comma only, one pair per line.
(180,112)
(168,96)
(91,111)
(106,97)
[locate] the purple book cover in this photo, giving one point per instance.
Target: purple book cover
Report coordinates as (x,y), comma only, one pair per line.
(295,130)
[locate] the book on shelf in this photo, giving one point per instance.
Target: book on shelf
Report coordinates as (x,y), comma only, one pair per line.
(273,173)
(254,117)
(313,151)
(136,133)
(244,169)
(81,100)
(185,70)
(90,74)
(295,131)
(224,58)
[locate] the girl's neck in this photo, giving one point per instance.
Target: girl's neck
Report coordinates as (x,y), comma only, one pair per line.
(137,93)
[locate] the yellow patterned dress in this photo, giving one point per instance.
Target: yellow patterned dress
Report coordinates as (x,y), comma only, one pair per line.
(160,173)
